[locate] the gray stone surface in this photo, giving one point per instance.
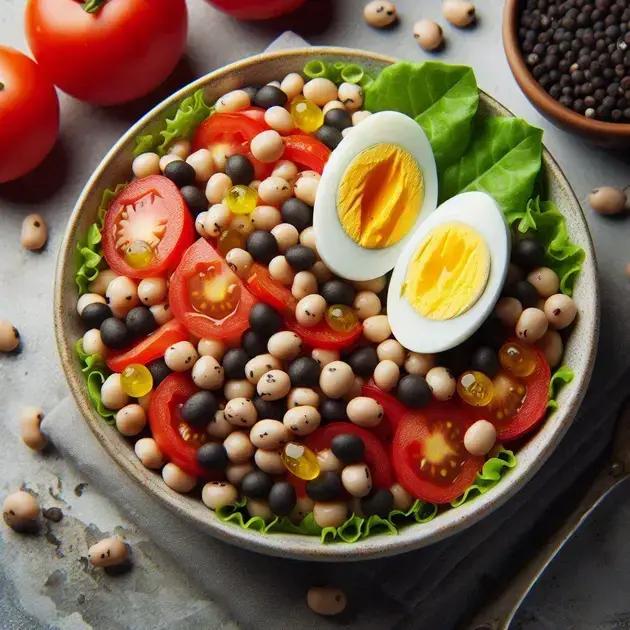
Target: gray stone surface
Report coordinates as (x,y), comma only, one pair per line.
(44,583)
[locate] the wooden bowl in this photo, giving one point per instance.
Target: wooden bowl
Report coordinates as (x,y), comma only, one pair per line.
(115,168)
(606,134)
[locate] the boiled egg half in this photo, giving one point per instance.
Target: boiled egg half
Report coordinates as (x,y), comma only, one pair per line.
(450,274)
(378,184)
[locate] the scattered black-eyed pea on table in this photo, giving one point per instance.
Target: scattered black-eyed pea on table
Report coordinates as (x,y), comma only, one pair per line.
(9,336)
(20,511)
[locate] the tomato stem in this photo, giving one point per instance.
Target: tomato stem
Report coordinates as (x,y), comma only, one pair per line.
(93,6)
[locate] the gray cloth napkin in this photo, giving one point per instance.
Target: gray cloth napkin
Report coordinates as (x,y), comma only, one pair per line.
(430,588)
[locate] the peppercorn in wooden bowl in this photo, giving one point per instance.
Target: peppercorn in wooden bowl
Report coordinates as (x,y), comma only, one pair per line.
(580,348)
(578,76)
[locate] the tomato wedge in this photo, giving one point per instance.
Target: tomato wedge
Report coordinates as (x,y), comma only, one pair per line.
(323,336)
(393,408)
(207,297)
(428,453)
(166,423)
(267,290)
(147,211)
(152,347)
(306,151)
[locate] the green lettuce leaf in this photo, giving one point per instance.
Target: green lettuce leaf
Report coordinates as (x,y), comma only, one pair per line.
(561,377)
(492,472)
(503,159)
(442,98)
(545,222)
(95,372)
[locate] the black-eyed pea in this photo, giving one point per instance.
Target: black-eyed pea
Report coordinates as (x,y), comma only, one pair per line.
(259,365)
(177,479)
(330,513)
(460,13)
(386,375)
(366,304)
(304,283)
(122,295)
(89,298)
(112,393)
(161,313)
(30,428)
(238,388)
(165,160)
(552,346)
(279,119)
(332,105)
(257,507)
(380,13)
(402,499)
(145,401)
(357,480)
(34,232)
(236,472)
(285,169)
(267,146)
(238,447)
(300,396)
(131,419)
(9,336)
(274,190)
(428,34)
(207,373)
(441,383)
(217,187)
(93,344)
(20,511)
(376,284)
(146,164)
(180,148)
(203,164)
(360,116)
(269,461)
(545,281)
(608,200)
(181,356)
(269,435)
(281,270)
(109,552)
(219,428)
(307,238)
(310,310)
(355,388)
(149,453)
(239,261)
(152,291)
(303,506)
(351,95)
(240,412)
(217,219)
(376,328)
(273,385)
(531,325)
(286,236)
(336,379)
(101,282)
(200,220)
(217,494)
(233,101)
(320,91)
(292,85)
(480,437)
(364,411)
(302,420)
(305,189)
(284,345)
(508,310)
(326,600)
(243,224)
(211,348)
(391,350)
(321,272)
(419,363)
(266,218)
(328,462)
(324,356)
(560,310)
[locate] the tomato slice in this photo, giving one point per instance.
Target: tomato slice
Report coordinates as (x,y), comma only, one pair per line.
(323,336)
(150,211)
(267,290)
(173,435)
(207,297)
(393,408)
(429,456)
(519,405)
(150,348)
(306,151)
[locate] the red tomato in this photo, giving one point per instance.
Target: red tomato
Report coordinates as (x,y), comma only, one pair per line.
(267,290)
(230,134)
(393,408)
(120,51)
(428,453)
(152,347)
(207,297)
(257,9)
(306,151)
(166,423)
(29,111)
(323,336)
(526,408)
(150,210)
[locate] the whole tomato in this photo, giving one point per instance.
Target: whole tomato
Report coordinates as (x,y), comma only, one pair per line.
(29,114)
(257,9)
(107,51)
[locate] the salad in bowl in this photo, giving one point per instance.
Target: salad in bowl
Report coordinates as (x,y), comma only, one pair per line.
(329,305)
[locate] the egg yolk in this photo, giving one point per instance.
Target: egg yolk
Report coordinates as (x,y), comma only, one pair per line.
(380,196)
(448,273)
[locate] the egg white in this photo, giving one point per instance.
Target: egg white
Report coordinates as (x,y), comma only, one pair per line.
(417,333)
(342,255)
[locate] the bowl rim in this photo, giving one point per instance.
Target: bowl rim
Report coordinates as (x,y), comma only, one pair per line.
(537,94)
(287,545)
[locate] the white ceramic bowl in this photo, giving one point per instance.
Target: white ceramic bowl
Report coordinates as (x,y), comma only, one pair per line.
(580,350)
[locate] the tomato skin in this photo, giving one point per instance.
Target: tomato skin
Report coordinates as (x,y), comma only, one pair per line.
(257,9)
(150,348)
(306,151)
(179,234)
(394,410)
(267,290)
(411,433)
(29,111)
(322,336)
(117,54)
(230,328)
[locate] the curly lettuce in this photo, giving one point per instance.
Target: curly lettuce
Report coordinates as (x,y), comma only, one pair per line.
(95,372)
(561,377)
